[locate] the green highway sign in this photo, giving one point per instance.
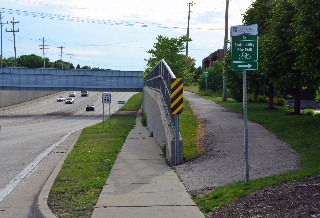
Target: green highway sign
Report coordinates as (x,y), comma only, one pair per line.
(121,102)
(244,47)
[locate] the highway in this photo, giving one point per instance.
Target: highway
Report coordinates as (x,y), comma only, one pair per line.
(34,136)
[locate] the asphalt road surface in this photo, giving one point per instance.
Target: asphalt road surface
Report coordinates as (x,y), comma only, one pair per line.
(33,138)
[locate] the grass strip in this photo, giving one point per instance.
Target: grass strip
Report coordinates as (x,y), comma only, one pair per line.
(84,173)
(86,169)
(191,132)
(134,103)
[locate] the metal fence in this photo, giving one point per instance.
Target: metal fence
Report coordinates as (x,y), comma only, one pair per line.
(159,79)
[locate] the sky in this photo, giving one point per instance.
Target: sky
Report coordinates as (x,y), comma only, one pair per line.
(113,34)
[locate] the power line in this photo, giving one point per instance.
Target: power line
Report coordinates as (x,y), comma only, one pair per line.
(189,4)
(43,48)
(14,38)
(1,34)
(61,56)
(224,83)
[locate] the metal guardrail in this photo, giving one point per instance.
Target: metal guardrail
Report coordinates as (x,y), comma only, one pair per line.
(159,79)
(162,79)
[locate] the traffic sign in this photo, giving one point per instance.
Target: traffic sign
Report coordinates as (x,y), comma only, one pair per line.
(121,102)
(106,98)
(244,47)
(244,29)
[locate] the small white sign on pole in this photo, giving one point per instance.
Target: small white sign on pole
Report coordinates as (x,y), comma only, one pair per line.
(106,98)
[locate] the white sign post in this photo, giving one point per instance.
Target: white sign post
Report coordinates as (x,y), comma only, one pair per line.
(106,99)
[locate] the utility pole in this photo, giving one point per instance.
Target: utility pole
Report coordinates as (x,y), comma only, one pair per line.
(14,38)
(1,35)
(224,83)
(43,48)
(61,56)
(189,4)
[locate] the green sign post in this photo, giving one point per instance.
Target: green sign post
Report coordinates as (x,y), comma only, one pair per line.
(244,47)
(244,56)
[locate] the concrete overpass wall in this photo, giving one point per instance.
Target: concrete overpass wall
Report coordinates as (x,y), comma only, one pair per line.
(159,122)
(8,98)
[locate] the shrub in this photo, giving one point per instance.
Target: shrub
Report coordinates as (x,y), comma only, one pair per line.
(214,79)
(263,99)
(280,102)
(144,119)
(308,112)
(206,92)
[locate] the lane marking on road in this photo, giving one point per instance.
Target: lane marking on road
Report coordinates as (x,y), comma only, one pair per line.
(14,183)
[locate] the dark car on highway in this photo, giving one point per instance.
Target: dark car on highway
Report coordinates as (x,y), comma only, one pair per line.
(84,93)
(90,107)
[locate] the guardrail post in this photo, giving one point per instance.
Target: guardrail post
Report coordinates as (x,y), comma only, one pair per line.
(177,108)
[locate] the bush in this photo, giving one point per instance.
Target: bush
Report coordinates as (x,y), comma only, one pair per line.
(206,92)
(263,99)
(144,119)
(280,102)
(214,80)
(308,112)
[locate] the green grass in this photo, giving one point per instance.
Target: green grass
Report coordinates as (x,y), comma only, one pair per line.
(84,173)
(134,103)
(301,132)
(86,169)
(191,131)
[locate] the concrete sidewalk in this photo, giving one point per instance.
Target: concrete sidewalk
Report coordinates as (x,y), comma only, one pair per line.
(142,185)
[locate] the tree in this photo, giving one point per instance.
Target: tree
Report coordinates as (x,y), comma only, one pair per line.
(86,67)
(197,73)
(214,79)
(8,62)
(260,13)
(280,55)
(30,61)
(234,79)
(307,39)
(170,49)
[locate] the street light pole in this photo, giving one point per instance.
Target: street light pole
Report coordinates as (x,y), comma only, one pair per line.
(224,83)
(61,56)
(43,48)
(189,4)
(1,34)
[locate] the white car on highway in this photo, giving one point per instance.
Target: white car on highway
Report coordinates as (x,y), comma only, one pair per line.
(72,94)
(61,98)
(69,101)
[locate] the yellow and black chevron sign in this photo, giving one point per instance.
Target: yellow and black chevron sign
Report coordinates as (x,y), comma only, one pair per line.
(176,96)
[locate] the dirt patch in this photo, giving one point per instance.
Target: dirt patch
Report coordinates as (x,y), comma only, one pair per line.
(297,199)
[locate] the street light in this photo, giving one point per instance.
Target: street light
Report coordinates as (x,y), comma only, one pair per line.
(189,4)
(224,84)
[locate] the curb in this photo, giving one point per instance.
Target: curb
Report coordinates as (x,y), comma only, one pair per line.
(42,208)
